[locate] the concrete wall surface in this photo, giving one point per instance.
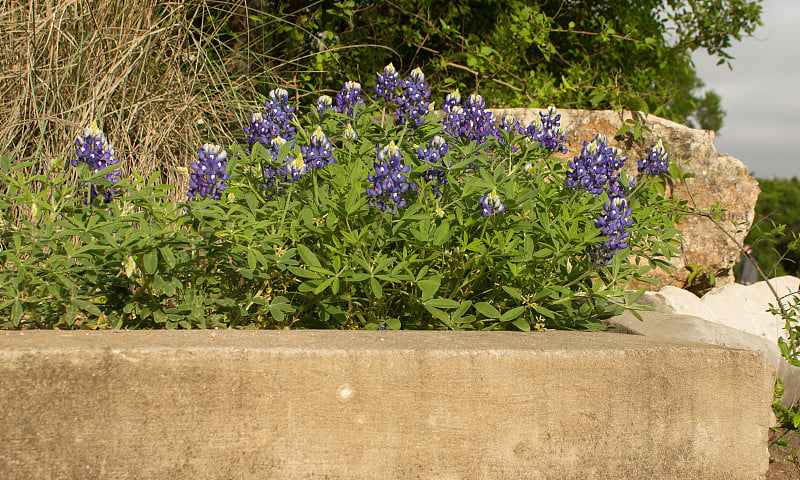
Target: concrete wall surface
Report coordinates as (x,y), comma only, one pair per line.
(378,405)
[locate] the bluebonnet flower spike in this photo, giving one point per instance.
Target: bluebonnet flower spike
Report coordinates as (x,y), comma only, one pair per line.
(491,204)
(207,177)
(413,104)
(657,160)
(318,153)
(93,149)
(389,181)
(388,81)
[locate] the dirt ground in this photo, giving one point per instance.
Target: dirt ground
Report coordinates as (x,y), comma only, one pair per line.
(780,468)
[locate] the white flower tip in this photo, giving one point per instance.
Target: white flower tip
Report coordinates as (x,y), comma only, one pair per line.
(349,132)
(454,95)
(319,135)
(279,93)
(92,131)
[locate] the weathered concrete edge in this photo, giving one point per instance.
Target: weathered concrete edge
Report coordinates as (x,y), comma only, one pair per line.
(44,373)
(690,328)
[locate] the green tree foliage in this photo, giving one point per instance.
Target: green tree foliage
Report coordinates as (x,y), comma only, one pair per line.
(709,112)
(778,204)
(613,54)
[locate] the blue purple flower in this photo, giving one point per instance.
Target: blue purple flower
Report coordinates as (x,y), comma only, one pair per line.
(324,103)
(452,99)
(318,153)
(657,160)
(276,122)
(413,104)
(597,168)
(350,132)
(510,126)
(290,171)
(491,204)
(389,181)
(547,130)
(616,217)
(388,81)
(470,121)
(349,99)
(434,155)
(93,149)
(207,178)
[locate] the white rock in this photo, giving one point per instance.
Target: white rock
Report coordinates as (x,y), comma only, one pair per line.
(684,302)
(745,307)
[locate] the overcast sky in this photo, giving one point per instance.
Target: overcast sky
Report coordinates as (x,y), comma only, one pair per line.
(761,95)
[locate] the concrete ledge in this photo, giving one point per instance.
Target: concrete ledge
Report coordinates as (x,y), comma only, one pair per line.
(378,405)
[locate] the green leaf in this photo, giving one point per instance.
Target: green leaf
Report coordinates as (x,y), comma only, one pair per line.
(522,324)
(376,287)
(16,313)
(515,293)
(252,261)
(487,310)
(308,256)
(168,256)
(442,234)
(87,306)
(512,314)
(302,272)
(307,216)
(279,307)
(544,311)
(150,260)
(393,324)
(784,348)
(429,287)
(322,286)
(444,317)
(252,201)
(442,303)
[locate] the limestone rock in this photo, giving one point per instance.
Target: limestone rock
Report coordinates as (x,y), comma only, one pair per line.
(717,178)
(745,307)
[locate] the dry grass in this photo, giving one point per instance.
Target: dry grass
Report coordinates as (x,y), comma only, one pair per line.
(156,81)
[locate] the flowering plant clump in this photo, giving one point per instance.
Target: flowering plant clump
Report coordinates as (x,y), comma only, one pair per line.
(332,217)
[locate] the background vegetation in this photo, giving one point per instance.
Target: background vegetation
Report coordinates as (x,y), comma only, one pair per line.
(162,78)
(776,224)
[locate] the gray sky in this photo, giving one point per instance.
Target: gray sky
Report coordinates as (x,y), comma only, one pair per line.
(761,95)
